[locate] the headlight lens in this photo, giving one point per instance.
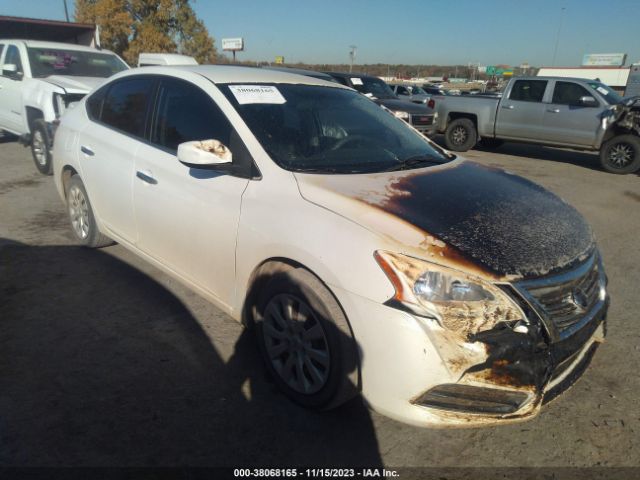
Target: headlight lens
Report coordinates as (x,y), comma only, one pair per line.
(402,115)
(460,302)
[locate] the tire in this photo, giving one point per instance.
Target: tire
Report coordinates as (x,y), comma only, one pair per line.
(40,147)
(491,143)
(461,135)
(315,323)
(81,217)
(621,154)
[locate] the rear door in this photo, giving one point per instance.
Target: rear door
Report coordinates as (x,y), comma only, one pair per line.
(188,217)
(521,113)
(108,145)
(566,120)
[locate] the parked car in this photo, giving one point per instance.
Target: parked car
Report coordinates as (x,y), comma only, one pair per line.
(39,81)
(433,89)
(157,59)
(302,71)
(411,93)
(366,258)
(556,111)
(421,117)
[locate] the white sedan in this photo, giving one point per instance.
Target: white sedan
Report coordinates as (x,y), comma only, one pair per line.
(366,258)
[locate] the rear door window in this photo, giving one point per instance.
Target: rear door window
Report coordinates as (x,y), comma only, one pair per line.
(125,105)
(528,90)
(569,93)
(186,113)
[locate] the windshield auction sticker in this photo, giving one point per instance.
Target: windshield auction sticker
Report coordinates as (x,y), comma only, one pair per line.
(246,94)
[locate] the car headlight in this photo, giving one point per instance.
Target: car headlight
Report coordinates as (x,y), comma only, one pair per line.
(402,115)
(460,302)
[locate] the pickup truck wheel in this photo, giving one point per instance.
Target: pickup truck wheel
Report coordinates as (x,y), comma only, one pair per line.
(40,143)
(461,135)
(305,340)
(621,154)
(83,222)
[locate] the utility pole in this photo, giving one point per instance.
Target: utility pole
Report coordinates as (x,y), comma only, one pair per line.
(555,50)
(352,55)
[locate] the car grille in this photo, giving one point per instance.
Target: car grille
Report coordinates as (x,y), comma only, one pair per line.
(566,300)
(422,119)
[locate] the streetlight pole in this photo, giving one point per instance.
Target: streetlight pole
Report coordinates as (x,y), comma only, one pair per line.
(352,55)
(555,50)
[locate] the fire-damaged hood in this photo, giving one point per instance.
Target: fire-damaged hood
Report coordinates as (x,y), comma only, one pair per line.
(501,223)
(73,84)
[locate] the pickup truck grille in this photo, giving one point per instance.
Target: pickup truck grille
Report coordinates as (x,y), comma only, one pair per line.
(422,119)
(567,299)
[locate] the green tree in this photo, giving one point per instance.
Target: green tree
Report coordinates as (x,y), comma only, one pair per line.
(129,27)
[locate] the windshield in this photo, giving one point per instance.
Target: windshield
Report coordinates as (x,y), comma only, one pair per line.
(417,91)
(609,94)
(46,61)
(308,128)
(372,86)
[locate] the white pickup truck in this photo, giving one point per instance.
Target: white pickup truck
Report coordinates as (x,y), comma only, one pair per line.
(39,80)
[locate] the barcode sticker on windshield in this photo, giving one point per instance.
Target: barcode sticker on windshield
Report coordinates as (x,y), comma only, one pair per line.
(356,81)
(602,90)
(246,94)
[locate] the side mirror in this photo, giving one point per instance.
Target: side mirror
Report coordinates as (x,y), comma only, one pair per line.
(588,101)
(204,153)
(11,70)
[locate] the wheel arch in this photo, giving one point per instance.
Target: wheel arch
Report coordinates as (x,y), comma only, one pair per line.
(67,172)
(456,115)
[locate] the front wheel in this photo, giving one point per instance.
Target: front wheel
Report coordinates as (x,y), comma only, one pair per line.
(306,341)
(40,147)
(621,154)
(461,135)
(83,222)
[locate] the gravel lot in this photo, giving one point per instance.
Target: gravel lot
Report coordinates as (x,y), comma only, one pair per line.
(105,361)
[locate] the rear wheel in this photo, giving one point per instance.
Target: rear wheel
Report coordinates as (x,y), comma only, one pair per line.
(621,154)
(461,135)
(83,223)
(40,147)
(306,341)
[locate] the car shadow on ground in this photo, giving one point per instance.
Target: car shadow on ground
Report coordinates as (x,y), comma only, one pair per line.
(100,365)
(584,159)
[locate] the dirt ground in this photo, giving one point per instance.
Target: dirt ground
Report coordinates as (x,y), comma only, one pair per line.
(105,361)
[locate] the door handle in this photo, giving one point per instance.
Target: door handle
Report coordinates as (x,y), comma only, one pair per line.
(86,151)
(508,107)
(146,177)
(553,110)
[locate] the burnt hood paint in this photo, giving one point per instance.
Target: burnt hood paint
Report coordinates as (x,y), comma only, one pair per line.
(499,221)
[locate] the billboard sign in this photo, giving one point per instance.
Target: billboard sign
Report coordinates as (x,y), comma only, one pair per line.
(279,60)
(604,59)
(233,44)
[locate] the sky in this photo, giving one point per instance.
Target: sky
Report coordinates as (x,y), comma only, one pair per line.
(442,32)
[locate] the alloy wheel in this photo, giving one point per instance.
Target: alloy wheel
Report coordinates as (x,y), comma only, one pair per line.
(621,155)
(79,212)
(459,135)
(39,148)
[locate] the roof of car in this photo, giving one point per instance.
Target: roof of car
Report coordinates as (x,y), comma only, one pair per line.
(350,75)
(53,45)
(238,74)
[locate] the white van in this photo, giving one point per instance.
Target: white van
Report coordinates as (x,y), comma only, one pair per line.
(156,59)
